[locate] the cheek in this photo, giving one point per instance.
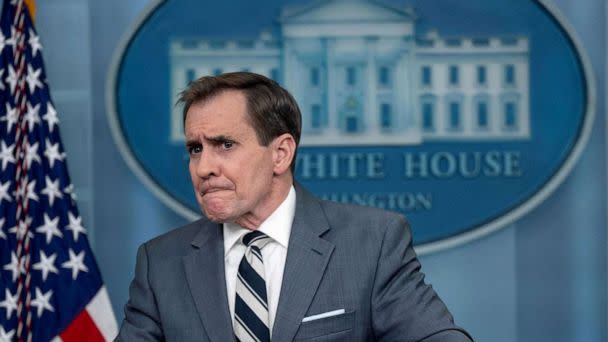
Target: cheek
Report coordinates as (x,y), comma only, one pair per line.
(192,172)
(262,173)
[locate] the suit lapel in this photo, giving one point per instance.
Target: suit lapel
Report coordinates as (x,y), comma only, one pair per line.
(307,258)
(206,278)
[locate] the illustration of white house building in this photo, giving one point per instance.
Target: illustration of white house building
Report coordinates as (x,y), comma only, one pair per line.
(362,76)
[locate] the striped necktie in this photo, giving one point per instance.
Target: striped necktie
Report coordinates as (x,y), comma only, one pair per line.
(251,302)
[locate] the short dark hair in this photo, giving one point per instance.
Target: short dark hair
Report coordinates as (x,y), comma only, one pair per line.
(271,109)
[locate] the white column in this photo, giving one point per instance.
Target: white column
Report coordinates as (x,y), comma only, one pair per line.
(178,82)
(401,92)
(372,123)
(332,110)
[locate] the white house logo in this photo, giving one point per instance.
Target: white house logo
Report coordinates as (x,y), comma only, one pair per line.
(462,117)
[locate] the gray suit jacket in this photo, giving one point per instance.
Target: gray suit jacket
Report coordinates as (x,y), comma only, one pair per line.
(339,257)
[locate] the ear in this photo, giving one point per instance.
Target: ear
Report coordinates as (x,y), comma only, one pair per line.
(284,149)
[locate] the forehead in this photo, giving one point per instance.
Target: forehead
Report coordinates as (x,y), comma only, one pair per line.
(220,114)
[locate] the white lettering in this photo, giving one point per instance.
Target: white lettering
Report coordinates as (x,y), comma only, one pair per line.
(443,164)
(340,165)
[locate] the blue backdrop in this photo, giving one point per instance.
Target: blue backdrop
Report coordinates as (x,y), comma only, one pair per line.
(544,278)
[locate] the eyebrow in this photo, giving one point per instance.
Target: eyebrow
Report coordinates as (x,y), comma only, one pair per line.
(220,139)
(214,140)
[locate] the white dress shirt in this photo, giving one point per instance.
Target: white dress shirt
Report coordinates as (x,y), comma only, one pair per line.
(278,227)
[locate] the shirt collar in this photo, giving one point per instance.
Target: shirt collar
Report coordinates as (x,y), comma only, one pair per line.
(277,226)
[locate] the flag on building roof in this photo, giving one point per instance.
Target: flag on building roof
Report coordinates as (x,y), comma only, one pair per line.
(50,285)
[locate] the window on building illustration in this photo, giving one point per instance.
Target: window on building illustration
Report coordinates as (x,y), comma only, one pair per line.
(384,76)
(245,44)
(217,72)
(352,124)
(509,41)
(454,115)
(428,115)
(351,76)
(482,115)
(453,75)
(453,42)
(481,42)
(314,76)
(190,76)
(217,44)
(190,44)
(510,74)
(426,76)
(316,115)
(511,121)
(481,75)
(421,42)
(275,75)
(386,115)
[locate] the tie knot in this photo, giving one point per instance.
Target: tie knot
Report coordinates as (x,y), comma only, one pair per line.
(256,239)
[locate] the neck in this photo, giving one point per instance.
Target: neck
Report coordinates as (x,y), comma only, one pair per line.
(275,197)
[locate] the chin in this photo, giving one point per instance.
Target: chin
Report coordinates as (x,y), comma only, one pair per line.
(216,216)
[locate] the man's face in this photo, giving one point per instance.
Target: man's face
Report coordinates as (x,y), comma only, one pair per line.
(231,172)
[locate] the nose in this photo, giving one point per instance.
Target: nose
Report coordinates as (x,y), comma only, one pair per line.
(206,165)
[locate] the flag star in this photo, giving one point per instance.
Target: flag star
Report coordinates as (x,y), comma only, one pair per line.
(52,153)
(51,190)
(2,87)
(9,303)
(51,116)
(70,191)
(6,336)
(46,265)
(42,301)
(31,191)
(49,228)
(32,117)
(34,42)
(75,226)
(11,79)
(4,42)
(21,228)
(4,193)
(33,78)
(2,234)
(31,154)
(11,117)
(6,154)
(76,263)
(15,266)
(15,36)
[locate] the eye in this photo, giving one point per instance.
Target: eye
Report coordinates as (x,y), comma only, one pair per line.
(226,145)
(195,149)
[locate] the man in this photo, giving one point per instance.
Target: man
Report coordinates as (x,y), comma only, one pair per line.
(270,261)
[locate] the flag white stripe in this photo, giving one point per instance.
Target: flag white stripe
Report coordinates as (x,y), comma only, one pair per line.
(101,313)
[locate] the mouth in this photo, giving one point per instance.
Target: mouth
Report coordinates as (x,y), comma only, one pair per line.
(211,191)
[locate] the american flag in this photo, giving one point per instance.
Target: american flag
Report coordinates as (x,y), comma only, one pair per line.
(50,285)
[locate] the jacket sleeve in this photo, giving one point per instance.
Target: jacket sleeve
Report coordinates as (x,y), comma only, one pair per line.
(404,308)
(141,322)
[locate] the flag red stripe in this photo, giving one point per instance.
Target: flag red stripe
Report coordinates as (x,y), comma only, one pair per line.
(82,326)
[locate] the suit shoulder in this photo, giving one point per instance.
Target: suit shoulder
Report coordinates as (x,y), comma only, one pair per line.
(176,239)
(360,215)
(357,212)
